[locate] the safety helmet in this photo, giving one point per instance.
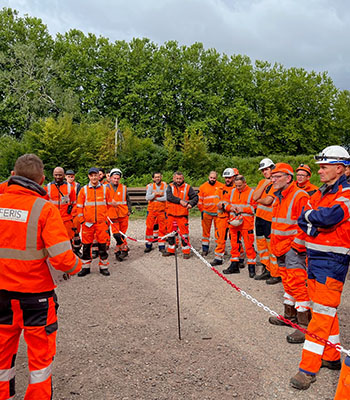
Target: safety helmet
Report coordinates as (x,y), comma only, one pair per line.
(283,167)
(305,168)
(228,173)
(235,220)
(266,163)
(115,171)
(333,155)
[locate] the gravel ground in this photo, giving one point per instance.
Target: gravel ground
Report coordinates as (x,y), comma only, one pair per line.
(118,335)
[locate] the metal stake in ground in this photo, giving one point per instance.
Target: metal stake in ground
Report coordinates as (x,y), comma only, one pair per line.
(177,282)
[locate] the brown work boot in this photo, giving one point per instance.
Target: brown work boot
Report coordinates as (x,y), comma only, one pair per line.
(303,319)
(302,381)
(334,365)
(289,313)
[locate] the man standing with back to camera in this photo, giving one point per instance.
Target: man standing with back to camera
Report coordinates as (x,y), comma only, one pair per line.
(31,235)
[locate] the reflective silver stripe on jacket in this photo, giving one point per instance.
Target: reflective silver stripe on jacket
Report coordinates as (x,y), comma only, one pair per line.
(284,233)
(288,219)
(40,375)
(59,248)
(327,248)
(94,203)
(7,374)
(30,253)
(265,208)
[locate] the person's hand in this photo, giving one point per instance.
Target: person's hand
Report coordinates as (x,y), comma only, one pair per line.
(183,203)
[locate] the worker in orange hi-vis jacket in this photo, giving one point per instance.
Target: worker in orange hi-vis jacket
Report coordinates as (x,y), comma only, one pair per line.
(94,199)
(63,196)
(264,197)
(221,230)
(303,174)
(33,240)
(207,204)
(156,197)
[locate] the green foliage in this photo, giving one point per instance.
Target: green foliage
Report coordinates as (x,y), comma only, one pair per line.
(195,155)
(10,150)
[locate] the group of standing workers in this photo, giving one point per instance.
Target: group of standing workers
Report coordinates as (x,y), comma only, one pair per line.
(301,233)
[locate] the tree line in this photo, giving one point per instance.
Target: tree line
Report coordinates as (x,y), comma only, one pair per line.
(166,97)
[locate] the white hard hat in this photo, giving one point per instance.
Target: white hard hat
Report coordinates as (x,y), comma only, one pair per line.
(236,220)
(228,173)
(266,163)
(333,155)
(115,171)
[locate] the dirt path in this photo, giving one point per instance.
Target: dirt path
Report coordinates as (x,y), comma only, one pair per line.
(118,335)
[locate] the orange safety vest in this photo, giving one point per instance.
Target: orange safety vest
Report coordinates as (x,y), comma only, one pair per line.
(285,232)
(262,211)
(62,197)
(309,187)
(244,200)
(119,195)
(31,233)
(224,193)
(176,210)
(209,197)
(93,202)
(154,205)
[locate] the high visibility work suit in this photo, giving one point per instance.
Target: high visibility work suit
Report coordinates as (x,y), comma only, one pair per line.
(76,241)
(309,188)
(179,214)
(325,221)
(287,245)
(156,197)
(263,220)
(208,199)
(119,214)
(3,186)
(245,231)
(221,229)
(63,196)
(92,204)
(343,389)
(31,233)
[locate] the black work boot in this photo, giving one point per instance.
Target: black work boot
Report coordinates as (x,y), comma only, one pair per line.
(84,271)
(251,269)
(104,272)
(216,262)
(148,249)
(241,263)
(117,256)
(289,313)
(124,254)
(232,269)
(265,274)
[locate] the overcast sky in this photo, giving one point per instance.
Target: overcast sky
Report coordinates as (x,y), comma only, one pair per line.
(312,34)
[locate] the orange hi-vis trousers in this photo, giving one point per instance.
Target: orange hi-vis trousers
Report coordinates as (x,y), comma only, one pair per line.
(263,232)
(156,218)
(221,236)
(182,223)
(207,221)
(343,389)
(35,315)
(292,270)
(120,224)
(324,323)
(236,235)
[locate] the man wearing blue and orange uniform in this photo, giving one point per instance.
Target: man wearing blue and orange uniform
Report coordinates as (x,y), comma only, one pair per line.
(264,197)
(62,195)
(241,204)
(207,204)
(93,202)
(180,198)
(32,236)
(156,197)
(288,246)
(325,221)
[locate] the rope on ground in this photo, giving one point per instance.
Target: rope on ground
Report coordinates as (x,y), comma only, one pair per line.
(338,347)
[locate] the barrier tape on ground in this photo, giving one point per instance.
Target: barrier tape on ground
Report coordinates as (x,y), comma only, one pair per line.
(143,241)
(338,347)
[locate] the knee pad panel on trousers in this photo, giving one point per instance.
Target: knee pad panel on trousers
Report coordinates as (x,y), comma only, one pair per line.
(102,251)
(86,251)
(118,238)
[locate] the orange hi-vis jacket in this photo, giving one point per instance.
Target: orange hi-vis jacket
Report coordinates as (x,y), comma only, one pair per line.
(244,200)
(63,197)
(119,194)
(176,193)
(93,203)
(209,197)
(31,235)
(262,211)
(3,186)
(285,232)
(156,192)
(309,187)
(224,192)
